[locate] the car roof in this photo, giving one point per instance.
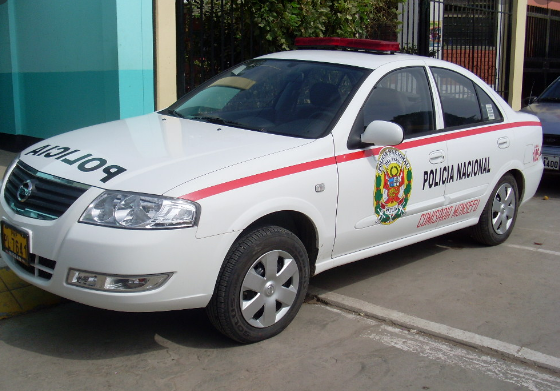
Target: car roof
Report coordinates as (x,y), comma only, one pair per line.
(344,57)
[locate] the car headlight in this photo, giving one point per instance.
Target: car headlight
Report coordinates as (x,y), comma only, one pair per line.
(132,210)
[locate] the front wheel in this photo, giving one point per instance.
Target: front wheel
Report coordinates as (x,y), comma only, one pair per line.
(500,213)
(261,286)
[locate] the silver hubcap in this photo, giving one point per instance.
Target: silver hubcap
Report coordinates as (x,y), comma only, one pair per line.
(269,288)
(503,209)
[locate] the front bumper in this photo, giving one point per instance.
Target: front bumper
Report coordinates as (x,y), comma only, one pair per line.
(63,244)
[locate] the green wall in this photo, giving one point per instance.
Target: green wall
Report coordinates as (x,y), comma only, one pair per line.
(67,64)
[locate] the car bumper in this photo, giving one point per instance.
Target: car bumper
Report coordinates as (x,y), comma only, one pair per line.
(64,244)
(551,157)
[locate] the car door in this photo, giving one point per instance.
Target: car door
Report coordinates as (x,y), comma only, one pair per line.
(382,189)
(478,145)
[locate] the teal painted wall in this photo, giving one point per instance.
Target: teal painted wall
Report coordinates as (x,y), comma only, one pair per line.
(67,64)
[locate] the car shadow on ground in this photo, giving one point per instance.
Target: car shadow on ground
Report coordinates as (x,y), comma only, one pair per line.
(371,267)
(550,185)
(79,332)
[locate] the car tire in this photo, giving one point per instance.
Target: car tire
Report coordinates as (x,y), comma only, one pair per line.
(261,286)
(500,213)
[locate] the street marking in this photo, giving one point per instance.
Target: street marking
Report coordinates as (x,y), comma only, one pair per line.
(448,354)
(467,338)
(539,250)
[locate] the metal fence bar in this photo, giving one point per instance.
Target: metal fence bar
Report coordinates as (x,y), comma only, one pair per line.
(542,57)
(471,33)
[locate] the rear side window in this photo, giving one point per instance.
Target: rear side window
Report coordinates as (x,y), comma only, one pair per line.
(463,102)
(490,111)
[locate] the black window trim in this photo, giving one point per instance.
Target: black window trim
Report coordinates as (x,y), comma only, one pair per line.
(471,125)
(354,137)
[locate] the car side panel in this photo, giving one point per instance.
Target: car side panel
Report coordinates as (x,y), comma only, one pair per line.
(303,180)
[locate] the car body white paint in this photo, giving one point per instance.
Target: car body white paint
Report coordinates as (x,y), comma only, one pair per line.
(239,176)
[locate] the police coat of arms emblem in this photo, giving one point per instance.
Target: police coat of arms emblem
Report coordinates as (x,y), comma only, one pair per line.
(393,185)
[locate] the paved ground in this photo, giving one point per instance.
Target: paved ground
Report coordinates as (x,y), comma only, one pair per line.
(506,298)
(510,293)
(74,347)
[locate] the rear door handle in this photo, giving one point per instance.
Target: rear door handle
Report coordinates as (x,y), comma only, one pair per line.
(503,142)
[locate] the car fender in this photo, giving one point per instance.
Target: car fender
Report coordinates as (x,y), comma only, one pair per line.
(515,165)
(323,228)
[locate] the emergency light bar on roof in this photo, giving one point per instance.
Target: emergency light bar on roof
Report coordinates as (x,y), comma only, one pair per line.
(368,45)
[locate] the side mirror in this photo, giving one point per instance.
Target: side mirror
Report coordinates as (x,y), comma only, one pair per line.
(383,133)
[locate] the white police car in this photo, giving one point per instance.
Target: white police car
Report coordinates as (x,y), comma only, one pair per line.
(277,169)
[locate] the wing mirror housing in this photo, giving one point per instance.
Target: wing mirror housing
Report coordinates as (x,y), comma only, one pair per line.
(383,133)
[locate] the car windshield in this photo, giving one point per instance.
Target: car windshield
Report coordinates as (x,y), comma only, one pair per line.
(552,93)
(293,98)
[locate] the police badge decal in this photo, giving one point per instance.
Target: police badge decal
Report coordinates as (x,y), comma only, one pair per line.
(393,185)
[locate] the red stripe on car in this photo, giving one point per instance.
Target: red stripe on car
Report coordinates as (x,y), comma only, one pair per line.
(285,171)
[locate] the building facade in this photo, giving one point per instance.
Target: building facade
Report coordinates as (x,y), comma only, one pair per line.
(67,64)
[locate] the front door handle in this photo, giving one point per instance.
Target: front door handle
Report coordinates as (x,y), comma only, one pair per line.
(437,157)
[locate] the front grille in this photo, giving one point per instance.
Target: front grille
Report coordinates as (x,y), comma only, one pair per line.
(551,140)
(38,266)
(48,196)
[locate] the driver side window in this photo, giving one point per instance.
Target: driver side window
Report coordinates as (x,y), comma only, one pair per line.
(403,97)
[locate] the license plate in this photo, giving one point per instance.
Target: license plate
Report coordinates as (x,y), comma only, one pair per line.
(551,162)
(15,242)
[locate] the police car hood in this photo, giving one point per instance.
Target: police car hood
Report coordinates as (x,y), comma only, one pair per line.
(151,154)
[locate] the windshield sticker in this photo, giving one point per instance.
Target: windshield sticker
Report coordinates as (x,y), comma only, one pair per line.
(490,111)
(85,162)
(393,185)
(448,212)
(447,174)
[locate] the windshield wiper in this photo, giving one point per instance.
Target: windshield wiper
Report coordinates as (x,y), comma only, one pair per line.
(174,113)
(221,121)
(213,120)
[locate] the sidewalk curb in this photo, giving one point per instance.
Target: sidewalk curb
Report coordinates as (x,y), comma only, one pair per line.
(513,352)
(18,297)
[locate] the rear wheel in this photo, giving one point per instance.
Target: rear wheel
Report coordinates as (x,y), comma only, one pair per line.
(261,286)
(500,213)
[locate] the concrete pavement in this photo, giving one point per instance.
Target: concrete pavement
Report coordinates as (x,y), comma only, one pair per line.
(504,299)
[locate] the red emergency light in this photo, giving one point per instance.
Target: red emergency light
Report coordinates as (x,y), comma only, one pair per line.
(369,45)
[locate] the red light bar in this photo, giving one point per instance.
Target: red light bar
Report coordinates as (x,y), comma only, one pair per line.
(349,43)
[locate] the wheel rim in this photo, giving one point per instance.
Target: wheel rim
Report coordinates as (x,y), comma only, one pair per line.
(503,209)
(269,288)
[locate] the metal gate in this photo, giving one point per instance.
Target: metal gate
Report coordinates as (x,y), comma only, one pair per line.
(471,33)
(542,50)
(212,35)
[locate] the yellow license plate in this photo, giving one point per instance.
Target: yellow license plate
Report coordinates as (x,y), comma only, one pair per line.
(15,242)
